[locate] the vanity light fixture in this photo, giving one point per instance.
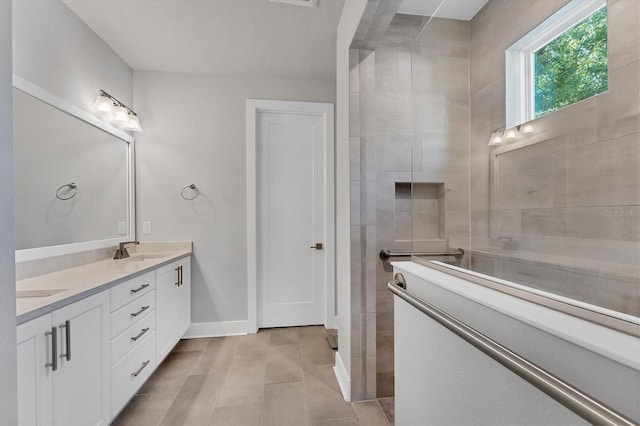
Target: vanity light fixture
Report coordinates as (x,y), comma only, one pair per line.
(527,128)
(112,109)
(511,134)
(497,138)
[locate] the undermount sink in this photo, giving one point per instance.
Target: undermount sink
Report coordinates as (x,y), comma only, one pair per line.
(38,293)
(143,257)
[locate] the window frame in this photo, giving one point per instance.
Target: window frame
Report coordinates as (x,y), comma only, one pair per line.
(520,57)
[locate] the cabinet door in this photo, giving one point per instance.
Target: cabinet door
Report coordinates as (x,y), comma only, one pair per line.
(35,378)
(183,298)
(81,384)
(166,285)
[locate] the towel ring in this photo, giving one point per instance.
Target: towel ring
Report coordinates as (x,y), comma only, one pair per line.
(192,187)
(72,187)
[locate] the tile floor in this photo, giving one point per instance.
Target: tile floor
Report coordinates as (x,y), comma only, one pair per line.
(280,376)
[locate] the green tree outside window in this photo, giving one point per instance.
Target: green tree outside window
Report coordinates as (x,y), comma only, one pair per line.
(573,66)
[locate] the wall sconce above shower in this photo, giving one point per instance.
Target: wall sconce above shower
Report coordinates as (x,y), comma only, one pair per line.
(501,136)
(497,137)
(111,109)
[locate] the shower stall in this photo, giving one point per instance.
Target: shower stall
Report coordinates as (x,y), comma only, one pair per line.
(553,210)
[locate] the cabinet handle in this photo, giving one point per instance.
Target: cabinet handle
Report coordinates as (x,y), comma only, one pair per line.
(144,330)
(67,334)
(54,348)
(144,364)
(142,287)
(178,271)
(144,308)
(181,276)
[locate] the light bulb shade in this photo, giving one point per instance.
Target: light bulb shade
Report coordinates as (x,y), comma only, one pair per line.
(133,123)
(103,105)
(496,138)
(527,128)
(511,134)
(120,115)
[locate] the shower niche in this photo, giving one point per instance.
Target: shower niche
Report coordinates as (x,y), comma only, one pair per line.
(420,216)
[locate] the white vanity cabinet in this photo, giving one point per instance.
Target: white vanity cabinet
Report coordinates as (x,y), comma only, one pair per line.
(133,325)
(173,304)
(80,364)
(63,365)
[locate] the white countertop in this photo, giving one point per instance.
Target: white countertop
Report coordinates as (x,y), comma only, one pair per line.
(83,281)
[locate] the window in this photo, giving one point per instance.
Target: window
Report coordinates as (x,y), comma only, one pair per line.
(562,61)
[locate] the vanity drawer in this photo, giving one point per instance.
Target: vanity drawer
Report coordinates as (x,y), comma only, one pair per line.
(131,372)
(132,289)
(132,337)
(131,313)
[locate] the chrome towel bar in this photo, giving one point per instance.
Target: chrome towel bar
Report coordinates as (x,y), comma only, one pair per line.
(587,407)
(386,253)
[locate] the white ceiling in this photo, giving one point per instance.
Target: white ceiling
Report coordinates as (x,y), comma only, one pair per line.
(452,9)
(229,37)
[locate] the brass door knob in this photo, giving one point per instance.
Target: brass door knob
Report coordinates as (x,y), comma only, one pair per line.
(317,246)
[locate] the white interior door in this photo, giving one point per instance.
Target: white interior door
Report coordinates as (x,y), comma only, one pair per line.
(291,218)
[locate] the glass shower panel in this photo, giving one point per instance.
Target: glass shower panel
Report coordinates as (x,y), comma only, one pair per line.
(556,207)
(440,143)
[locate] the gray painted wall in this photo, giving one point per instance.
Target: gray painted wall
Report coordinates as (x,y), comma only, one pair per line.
(56,51)
(8,389)
(194,132)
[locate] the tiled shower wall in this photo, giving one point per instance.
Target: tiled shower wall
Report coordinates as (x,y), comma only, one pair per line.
(573,195)
(363,225)
(409,123)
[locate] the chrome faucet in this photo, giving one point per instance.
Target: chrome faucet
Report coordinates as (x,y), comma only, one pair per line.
(122,252)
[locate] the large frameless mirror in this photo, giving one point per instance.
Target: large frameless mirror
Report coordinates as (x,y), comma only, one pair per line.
(73,177)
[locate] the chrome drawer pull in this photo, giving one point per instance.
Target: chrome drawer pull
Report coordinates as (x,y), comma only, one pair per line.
(67,329)
(142,287)
(144,364)
(54,348)
(144,308)
(144,330)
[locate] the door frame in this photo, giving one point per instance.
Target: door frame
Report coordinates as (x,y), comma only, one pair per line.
(324,110)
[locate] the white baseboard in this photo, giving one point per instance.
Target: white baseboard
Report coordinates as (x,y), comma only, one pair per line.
(344,380)
(332,322)
(216,329)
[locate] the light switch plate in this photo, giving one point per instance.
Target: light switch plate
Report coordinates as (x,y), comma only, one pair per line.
(146,228)
(122,228)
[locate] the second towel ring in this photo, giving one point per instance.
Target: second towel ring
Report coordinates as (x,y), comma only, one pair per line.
(72,187)
(192,187)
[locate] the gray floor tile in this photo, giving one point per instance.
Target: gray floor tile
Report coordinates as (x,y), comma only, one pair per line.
(388,408)
(323,395)
(195,403)
(275,377)
(217,355)
(349,421)
(237,415)
(145,410)
(283,404)
(186,345)
(284,364)
(370,413)
(283,336)
(315,350)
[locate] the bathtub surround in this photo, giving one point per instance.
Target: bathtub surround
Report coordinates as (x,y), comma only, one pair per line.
(8,366)
(194,132)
